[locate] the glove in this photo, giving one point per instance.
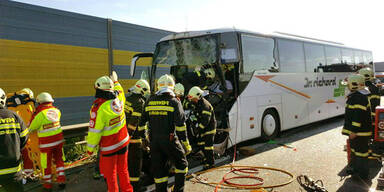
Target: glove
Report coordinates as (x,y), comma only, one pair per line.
(193,118)
(187,147)
(113,76)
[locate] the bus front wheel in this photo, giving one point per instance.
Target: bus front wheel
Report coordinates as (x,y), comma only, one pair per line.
(270,124)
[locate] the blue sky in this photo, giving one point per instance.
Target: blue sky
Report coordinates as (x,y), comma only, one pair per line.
(356,23)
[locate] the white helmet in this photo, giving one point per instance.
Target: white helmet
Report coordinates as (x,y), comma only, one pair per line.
(210,73)
(195,93)
(165,82)
(3,98)
(44,97)
(367,73)
(355,82)
(141,87)
(179,89)
(104,83)
(28,91)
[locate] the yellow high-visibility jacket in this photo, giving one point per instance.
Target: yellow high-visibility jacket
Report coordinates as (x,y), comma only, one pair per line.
(46,120)
(107,125)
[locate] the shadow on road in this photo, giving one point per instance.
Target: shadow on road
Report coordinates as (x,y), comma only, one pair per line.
(291,136)
(355,184)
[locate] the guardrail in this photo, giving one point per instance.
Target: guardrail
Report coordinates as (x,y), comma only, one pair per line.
(76,130)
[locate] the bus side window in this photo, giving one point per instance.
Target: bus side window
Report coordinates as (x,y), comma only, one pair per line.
(314,57)
(291,54)
(257,53)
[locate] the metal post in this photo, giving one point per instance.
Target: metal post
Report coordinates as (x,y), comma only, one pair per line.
(110,48)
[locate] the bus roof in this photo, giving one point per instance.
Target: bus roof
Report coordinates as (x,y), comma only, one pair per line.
(190,34)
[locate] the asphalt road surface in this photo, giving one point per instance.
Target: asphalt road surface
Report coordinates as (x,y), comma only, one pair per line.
(316,150)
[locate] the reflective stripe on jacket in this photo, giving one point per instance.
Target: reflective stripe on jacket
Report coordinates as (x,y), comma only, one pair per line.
(107,125)
(46,121)
(358,115)
(13,137)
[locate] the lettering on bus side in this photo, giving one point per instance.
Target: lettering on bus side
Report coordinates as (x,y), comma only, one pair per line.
(319,82)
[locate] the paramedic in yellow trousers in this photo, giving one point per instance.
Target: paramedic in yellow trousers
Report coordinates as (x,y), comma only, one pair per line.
(23,103)
(46,121)
(107,128)
(13,137)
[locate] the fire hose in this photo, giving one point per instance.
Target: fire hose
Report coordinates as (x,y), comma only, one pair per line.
(251,170)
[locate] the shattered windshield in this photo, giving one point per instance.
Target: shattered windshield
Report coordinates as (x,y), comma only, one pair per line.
(196,51)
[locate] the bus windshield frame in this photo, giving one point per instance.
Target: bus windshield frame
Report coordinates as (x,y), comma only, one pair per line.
(191,52)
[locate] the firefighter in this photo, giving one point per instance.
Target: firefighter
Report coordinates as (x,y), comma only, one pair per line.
(13,137)
(201,78)
(46,121)
(207,124)
(167,133)
(134,106)
(179,92)
(107,128)
(374,99)
(23,103)
(357,125)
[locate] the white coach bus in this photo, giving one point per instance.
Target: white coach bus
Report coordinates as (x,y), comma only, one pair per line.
(280,81)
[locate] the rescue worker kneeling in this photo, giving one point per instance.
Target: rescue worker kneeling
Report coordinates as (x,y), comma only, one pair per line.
(134,106)
(206,123)
(357,125)
(107,128)
(167,133)
(46,121)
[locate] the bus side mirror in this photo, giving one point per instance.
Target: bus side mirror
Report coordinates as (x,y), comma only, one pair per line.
(135,58)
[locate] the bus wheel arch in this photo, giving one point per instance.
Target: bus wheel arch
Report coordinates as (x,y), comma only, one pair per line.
(270,124)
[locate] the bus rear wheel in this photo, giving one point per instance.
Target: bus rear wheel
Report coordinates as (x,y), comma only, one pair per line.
(270,125)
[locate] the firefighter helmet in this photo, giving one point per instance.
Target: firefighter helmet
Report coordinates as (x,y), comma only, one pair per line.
(179,89)
(367,73)
(355,82)
(44,97)
(165,82)
(104,83)
(141,87)
(210,73)
(195,93)
(28,91)
(3,98)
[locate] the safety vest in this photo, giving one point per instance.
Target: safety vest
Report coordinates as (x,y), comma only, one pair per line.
(107,125)
(46,120)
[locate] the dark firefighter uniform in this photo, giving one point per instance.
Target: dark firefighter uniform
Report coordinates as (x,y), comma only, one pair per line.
(374,99)
(195,78)
(13,137)
(207,129)
(167,133)
(134,105)
(358,121)
(22,103)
